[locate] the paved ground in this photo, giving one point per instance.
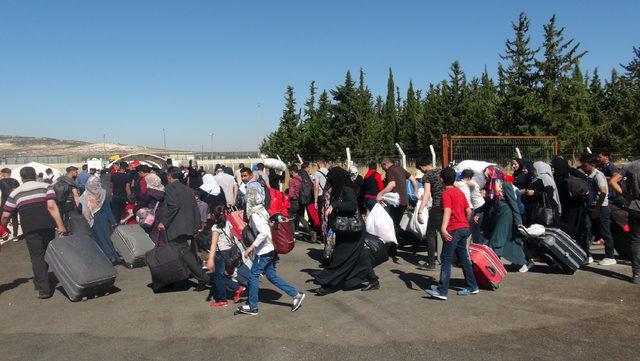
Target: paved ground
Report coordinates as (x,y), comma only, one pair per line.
(592,315)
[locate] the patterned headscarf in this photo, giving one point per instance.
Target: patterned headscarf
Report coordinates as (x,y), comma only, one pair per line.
(154,182)
(495,178)
(94,196)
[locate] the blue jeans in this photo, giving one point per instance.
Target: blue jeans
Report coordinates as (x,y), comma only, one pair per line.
(222,281)
(458,245)
(266,264)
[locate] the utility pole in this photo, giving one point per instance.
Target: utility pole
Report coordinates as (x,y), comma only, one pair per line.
(211,134)
(104,146)
(258,131)
(164,136)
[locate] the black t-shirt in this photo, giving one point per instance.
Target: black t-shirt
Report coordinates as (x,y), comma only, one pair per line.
(119,182)
(7,185)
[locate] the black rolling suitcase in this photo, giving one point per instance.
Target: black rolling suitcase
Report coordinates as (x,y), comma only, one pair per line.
(557,249)
(166,266)
(377,249)
(80,266)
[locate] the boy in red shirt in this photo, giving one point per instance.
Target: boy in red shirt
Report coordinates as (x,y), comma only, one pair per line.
(455,231)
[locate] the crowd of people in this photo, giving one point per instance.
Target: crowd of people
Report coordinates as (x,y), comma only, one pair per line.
(329,206)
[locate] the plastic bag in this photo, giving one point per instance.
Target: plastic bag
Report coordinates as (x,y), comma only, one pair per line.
(274,164)
(477,167)
(391,199)
(415,227)
(379,223)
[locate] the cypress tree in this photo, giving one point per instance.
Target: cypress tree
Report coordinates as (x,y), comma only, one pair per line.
(390,117)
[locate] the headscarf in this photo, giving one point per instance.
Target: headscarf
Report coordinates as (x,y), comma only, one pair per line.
(353,172)
(338,178)
(210,185)
(522,179)
(92,198)
(154,182)
(544,173)
(255,203)
(560,168)
(495,178)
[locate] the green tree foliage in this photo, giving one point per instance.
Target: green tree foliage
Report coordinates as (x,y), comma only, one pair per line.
(539,91)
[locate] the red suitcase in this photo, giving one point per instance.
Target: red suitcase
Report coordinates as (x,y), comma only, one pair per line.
(282,237)
(487,267)
(237,222)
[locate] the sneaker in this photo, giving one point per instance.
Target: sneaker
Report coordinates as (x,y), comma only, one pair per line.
(468,291)
(589,260)
(526,267)
(219,304)
(246,310)
(635,279)
(297,302)
(372,286)
(436,294)
(607,262)
(238,293)
(427,266)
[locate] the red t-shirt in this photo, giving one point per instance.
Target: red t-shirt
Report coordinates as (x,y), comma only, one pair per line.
(454,199)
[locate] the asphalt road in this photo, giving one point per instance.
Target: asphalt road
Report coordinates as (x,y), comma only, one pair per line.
(592,315)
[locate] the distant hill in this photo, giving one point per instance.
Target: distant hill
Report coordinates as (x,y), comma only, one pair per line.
(32,146)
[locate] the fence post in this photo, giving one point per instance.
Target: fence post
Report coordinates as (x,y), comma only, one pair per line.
(445,150)
(433,155)
(348,158)
(404,157)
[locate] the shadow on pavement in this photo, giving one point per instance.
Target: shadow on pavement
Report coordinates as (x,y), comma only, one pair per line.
(270,297)
(14,284)
(420,281)
(112,290)
(605,272)
(181,286)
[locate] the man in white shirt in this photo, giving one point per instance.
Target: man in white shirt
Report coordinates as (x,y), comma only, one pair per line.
(471,191)
(228,185)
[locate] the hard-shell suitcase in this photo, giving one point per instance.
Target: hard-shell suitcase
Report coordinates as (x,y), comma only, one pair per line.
(80,266)
(559,250)
(282,237)
(487,267)
(377,249)
(132,243)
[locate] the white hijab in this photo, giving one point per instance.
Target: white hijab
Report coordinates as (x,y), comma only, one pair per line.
(544,173)
(210,185)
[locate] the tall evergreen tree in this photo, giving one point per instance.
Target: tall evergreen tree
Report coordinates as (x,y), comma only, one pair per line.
(344,119)
(411,113)
(518,108)
(390,116)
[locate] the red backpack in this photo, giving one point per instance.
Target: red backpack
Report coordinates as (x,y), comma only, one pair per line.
(279,203)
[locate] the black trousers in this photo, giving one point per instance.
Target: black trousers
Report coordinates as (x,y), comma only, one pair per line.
(433,228)
(37,242)
(117,207)
(181,245)
(296,211)
(634,233)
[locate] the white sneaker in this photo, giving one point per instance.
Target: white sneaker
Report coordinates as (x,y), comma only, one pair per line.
(607,262)
(589,260)
(523,269)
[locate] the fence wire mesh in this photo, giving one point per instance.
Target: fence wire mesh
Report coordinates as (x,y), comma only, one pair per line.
(501,150)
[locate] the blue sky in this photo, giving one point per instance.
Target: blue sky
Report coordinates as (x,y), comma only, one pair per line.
(128,68)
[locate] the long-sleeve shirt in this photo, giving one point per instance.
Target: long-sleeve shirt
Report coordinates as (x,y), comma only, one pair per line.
(260,226)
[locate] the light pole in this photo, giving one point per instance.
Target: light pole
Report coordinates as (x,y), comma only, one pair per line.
(104,146)
(258,130)
(211,135)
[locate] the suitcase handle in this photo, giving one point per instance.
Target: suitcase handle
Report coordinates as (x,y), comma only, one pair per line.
(491,270)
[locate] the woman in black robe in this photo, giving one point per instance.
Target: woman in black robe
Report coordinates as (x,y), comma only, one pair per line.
(350,265)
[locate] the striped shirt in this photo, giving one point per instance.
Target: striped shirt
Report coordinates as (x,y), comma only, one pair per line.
(30,201)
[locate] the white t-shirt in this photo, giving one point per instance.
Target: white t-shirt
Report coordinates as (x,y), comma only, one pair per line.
(321,177)
(226,182)
(224,242)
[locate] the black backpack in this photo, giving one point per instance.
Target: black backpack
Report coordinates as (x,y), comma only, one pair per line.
(578,188)
(62,190)
(306,189)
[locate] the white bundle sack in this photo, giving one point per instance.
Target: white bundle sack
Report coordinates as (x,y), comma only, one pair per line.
(275,164)
(379,223)
(477,166)
(415,227)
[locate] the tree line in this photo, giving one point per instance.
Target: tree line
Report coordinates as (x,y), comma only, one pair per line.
(539,91)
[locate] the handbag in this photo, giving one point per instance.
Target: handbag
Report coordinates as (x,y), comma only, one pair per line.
(233,256)
(347,224)
(543,215)
(147,217)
